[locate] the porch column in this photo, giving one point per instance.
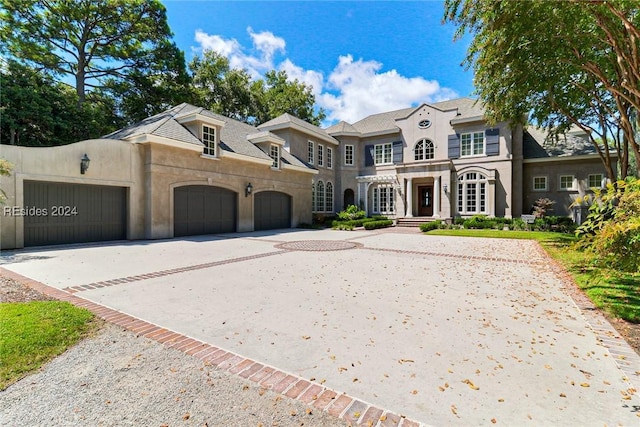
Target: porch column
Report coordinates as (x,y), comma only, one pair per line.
(409,207)
(436,197)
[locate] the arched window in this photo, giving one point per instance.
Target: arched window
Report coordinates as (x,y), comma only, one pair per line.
(313,197)
(320,196)
(329,198)
(472,193)
(423,150)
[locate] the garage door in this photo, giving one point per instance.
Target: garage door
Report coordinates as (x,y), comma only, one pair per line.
(202,209)
(272,210)
(57,213)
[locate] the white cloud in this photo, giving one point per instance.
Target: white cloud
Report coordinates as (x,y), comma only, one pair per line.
(353,89)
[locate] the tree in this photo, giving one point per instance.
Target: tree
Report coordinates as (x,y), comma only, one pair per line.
(87,39)
(38,111)
(276,95)
(560,63)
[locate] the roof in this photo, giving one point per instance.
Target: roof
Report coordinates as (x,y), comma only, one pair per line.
(233,136)
(538,144)
(386,122)
(286,120)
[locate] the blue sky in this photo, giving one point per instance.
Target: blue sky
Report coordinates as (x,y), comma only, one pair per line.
(360,57)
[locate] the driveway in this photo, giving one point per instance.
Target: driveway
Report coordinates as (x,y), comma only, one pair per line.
(442,330)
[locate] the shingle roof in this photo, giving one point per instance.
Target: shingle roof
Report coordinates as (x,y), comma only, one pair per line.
(382,122)
(537,144)
(287,119)
(341,127)
(233,136)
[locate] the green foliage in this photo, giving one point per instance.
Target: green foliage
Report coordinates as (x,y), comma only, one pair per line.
(354,222)
(33,333)
(342,226)
(542,206)
(480,222)
(5,170)
(352,212)
(617,240)
(372,225)
(601,210)
(433,225)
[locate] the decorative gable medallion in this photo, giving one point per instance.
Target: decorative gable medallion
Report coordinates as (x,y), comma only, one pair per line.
(423,124)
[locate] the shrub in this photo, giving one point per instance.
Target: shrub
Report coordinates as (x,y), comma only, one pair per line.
(343,226)
(353,223)
(458,220)
(428,226)
(518,224)
(352,212)
(480,222)
(542,206)
(383,223)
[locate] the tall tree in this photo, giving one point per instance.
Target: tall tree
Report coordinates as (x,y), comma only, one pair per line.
(560,63)
(276,95)
(86,39)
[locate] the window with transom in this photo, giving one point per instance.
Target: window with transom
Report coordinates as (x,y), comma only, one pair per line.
(472,193)
(423,150)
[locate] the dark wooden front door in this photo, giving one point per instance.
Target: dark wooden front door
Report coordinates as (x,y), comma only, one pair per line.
(425,204)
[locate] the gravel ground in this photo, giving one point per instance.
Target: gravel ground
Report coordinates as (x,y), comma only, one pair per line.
(118,379)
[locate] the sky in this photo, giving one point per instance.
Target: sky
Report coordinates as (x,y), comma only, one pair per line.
(360,57)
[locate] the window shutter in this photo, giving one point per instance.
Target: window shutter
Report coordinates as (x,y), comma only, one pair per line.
(454,146)
(492,139)
(397,152)
(368,155)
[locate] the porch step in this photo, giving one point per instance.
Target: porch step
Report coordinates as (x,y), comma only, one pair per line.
(413,222)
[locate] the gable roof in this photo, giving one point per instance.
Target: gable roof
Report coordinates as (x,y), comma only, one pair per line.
(539,144)
(286,120)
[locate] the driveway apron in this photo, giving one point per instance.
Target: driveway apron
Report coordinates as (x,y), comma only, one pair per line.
(442,330)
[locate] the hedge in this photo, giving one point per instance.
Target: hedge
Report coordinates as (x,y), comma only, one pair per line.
(372,225)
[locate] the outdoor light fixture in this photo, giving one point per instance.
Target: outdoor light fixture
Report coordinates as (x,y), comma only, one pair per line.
(84,163)
(445,188)
(248,190)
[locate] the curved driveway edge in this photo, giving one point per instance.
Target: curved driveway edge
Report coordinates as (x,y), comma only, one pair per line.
(443,330)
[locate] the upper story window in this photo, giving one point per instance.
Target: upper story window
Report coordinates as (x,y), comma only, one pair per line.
(329,157)
(320,155)
(209,140)
(539,183)
(274,153)
(311,152)
(566,182)
(595,180)
(383,154)
(472,144)
(348,155)
(423,150)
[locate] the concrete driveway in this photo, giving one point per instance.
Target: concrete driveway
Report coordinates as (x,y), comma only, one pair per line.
(442,330)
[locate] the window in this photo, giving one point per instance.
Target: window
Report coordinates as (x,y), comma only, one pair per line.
(539,183)
(330,157)
(382,154)
(274,153)
(383,201)
(566,182)
(313,198)
(328,200)
(472,144)
(348,155)
(209,140)
(423,150)
(595,180)
(472,193)
(320,196)
(311,152)
(320,155)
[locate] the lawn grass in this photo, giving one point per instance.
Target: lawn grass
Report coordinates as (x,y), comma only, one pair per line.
(33,333)
(613,291)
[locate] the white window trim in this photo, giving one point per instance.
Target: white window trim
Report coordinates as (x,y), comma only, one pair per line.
(573,183)
(602,181)
(383,162)
(389,200)
(320,155)
(546,183)
(329,158)
(311,152)
(353,153)
(207,150)
(462,193)
(276,159)
(473,135)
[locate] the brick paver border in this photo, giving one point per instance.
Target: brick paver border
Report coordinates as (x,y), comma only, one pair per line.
(314,395)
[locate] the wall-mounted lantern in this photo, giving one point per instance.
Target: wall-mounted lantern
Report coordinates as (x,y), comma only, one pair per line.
(445,187)
(248,190)
(84,163)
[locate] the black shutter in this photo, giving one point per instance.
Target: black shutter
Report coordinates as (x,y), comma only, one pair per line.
(397,152)
(454,146)
(492,140)
(368,155)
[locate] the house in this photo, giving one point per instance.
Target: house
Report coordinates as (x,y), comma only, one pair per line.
(188,171)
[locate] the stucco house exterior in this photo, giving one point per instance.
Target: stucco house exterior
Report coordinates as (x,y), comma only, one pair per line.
(188,171)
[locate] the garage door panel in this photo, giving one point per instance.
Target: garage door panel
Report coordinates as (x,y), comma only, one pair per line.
(272,210)
(200,209)
(75,213)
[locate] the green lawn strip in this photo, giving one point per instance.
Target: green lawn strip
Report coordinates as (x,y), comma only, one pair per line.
(615,292)
(33,333)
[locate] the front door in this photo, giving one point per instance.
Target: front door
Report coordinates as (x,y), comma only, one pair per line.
(425,207)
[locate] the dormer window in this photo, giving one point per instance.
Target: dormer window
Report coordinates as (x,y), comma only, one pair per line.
(209,140)
(274,153)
